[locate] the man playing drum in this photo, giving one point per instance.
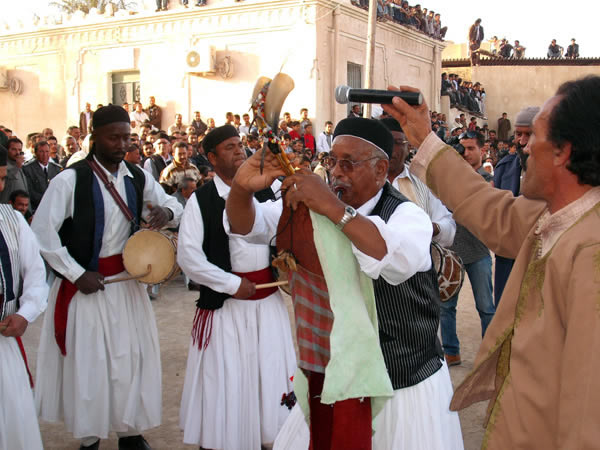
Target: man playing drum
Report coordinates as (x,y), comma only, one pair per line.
(99,360)
(20,265)
(390,239)
(241,354)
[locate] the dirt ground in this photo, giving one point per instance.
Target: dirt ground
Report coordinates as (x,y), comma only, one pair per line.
(174,310)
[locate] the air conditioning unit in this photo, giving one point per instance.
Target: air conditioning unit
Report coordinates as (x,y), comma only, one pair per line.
(4,81)
(201,59)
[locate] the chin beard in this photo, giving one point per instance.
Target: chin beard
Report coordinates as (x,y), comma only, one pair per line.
(522,157)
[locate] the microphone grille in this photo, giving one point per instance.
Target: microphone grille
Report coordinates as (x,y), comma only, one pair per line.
(341,94)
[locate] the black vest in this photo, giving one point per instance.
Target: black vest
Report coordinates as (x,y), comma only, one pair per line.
(77,232)
(408,315)
(216,241)
(159,162)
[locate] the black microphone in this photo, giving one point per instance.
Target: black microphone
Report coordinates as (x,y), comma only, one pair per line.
(346,94)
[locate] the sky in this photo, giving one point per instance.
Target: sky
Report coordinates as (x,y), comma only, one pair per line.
(533,23)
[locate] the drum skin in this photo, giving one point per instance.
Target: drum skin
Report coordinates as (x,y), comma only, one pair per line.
(155,248)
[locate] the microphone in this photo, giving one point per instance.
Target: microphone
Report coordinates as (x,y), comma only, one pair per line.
(346,94)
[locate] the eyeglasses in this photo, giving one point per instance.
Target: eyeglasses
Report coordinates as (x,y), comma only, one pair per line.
(401,142)
(345,164)
(468,135)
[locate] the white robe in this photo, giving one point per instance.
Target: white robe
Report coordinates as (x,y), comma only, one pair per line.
(232,393)
(110,379)
(19,429)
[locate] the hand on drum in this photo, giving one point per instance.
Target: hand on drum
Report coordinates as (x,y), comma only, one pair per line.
(158,217)
(90,282)
(247,289)
(249,176)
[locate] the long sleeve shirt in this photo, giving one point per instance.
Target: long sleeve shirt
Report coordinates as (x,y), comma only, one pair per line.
(33,299)
(407,235)
(435,209)
(58,203)
(245,257)
(324,142)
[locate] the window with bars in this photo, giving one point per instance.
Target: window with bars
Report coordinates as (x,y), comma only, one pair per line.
(354,80)
(125,87)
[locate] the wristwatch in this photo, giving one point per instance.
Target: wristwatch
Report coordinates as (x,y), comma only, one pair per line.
(349,214)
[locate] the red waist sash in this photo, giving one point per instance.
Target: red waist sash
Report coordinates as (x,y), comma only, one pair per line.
(259,277)
(107,267)
(202,327)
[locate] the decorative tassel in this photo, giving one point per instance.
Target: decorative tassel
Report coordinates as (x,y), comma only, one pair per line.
(202,328)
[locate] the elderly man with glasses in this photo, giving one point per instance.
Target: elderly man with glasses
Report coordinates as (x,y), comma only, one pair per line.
(383,248)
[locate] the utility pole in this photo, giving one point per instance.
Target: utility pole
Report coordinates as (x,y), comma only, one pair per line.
(371,28)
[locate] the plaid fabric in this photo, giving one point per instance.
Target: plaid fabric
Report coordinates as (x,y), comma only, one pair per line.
(314,319)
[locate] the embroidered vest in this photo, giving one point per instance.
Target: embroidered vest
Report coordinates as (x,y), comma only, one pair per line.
(82,233)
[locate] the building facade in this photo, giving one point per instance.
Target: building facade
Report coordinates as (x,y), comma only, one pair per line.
(127,57)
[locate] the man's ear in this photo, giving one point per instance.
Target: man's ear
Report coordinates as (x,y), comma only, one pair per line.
(561,155)
(212,158)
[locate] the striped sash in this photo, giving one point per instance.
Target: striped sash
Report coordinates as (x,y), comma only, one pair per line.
(9,258)
(314,319)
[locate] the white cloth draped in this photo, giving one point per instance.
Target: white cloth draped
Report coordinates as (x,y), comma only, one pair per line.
(19,428)
(416,418)
(232,392)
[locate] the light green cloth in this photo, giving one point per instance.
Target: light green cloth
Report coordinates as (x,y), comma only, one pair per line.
(356,368)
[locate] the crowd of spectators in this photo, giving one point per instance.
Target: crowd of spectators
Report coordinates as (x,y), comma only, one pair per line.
(503,49)
(555,51)
(171,152)
(415,17)
(464,95)
(496,143)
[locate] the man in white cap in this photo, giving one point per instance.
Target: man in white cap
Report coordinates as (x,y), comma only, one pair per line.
(507,175)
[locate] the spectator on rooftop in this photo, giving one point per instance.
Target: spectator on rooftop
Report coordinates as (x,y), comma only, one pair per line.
(572,50)
(554,50)
(505,49)
(518,50)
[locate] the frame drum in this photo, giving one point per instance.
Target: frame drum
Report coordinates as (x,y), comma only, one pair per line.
(155,248)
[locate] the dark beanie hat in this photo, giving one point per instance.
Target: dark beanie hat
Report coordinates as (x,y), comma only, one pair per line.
(370,130)
(392,124)
(218,135)
(109,114)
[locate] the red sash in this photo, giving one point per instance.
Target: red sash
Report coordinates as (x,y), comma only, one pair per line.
(107,267)
(202,327)
(259,277)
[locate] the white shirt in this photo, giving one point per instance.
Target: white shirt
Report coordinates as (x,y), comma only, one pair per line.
(245,257)
(58,203)
(245,129)
(34,298)
(438,213)
(407,235)
(323,144)
(139,118)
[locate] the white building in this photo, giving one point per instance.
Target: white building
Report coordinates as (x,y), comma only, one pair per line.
(101,59)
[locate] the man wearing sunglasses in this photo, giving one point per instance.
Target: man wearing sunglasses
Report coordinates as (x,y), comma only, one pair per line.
(537,363)
(389,239)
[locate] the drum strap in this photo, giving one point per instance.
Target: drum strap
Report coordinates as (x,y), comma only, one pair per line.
(110,187)
(67,290)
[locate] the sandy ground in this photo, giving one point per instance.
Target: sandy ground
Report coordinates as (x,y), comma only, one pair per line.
(175,309)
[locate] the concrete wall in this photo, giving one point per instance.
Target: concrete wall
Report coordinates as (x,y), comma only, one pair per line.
(64,66)
(511,88)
